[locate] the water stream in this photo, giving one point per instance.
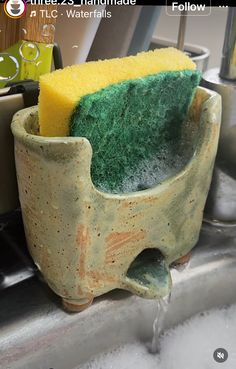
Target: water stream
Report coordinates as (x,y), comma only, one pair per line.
(191,344)
(188,345)
(162,309)
(158,324)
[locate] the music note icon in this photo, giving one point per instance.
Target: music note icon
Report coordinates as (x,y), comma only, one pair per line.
(33,13)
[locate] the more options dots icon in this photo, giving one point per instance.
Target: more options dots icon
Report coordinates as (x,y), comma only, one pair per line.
(15,8)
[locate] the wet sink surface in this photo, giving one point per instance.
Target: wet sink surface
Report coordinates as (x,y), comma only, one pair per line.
(35,333)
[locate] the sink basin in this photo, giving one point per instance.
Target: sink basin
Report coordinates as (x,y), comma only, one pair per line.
(35,333)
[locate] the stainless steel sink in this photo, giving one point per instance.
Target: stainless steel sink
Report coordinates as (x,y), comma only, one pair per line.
(35,333)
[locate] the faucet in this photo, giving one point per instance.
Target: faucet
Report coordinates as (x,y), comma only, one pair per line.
(221,202)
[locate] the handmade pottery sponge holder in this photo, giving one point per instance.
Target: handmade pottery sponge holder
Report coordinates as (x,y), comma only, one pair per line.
(87,242)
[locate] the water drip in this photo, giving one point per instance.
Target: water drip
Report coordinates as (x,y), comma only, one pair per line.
(158,324)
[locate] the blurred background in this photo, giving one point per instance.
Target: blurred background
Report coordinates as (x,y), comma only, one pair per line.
(206,31)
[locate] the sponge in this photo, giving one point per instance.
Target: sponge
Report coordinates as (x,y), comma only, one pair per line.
(129,109)
(62,90)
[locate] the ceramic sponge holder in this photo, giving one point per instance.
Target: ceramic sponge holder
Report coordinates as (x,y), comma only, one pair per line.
(86,242)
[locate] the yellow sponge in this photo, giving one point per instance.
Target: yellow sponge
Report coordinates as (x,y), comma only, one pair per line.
(62,90)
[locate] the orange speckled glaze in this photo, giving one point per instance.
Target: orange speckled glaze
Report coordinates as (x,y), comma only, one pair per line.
(84,240)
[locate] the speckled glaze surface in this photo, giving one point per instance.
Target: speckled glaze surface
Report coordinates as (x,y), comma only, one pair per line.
(84,240)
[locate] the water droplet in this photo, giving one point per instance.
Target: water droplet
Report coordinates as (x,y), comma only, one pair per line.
(29,51)
(24,31)
(38,63)
(49,46)
(48,30)
(38,266)
(75,46)
(9,67)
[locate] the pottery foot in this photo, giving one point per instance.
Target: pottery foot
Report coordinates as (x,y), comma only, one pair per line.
(75,306)
(183,260)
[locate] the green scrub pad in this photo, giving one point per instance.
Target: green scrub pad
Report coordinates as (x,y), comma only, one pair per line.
(130,122)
